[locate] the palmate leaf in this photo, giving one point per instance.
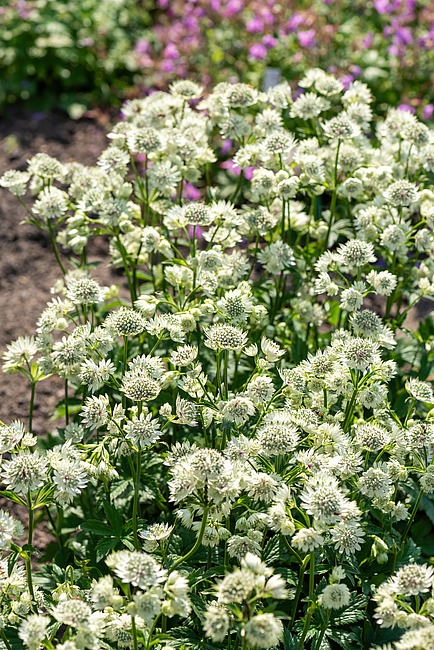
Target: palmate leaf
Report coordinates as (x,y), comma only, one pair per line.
(355,612)
(271,552)
(185,637)
(344,638)
(104,547)
(96,527)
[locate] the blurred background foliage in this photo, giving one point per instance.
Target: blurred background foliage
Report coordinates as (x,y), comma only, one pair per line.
(79,54)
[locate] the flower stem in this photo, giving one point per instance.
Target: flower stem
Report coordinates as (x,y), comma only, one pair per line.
(412,516)
(198,542)
(66,403)
(32,404)
(54,246)
(136,497)
(323,630)
(5,640)
(28,560)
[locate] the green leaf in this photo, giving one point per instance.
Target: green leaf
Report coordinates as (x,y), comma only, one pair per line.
(13,497)
(271,552)
(114,517)
(96,527)
(104,547)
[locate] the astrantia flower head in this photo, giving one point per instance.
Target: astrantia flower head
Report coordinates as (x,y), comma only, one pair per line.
(197,214)
(70,478)
(341,128)
(85,291)
(347,537)
(139,387)
(183,356)
(413,579)
(307,540)
(360,353)
(138,569)
(33,630)
(52,203)
(420,390)
(238,409)
(356,253)
(16,181)
(18,353)
(95,412)
(236,305)
(263,631)
(277,439)
(335,596)
(216,623)
(401,193)
(143,430)
(125,322)
(225,337)
(186,89)
(10,435)
(25,471)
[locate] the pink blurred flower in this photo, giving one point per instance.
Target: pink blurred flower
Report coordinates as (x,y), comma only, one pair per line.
(428,111)
(258,51)
(306,38)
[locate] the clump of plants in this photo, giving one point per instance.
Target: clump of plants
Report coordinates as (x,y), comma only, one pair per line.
(69,54)
(246,436)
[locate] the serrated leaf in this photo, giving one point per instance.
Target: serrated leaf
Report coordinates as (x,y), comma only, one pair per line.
(114,517)
(104,547)
(96,527)
(271,552)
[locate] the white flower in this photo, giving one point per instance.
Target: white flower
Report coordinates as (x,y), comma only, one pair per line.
(335,596)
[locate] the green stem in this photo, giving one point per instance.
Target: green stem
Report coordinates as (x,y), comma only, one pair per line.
(136,497)
(66,403)
(305,630)
(334,196)
(237,187)
(5,640)
(412,516)
(133,627)
(198,542)
(323,630)
(54,246)
(225,373)
(28,560)
(32,404)
(298,593)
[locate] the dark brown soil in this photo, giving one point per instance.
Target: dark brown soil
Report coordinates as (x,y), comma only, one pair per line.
(27,266)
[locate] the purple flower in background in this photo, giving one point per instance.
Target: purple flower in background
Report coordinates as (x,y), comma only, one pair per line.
(258,51)
(231,167)
(383,6)
(142,46)
(406,107)
(233,7)
(428,111)
(306,38)
(190,192)
(171,52)
(269,41)
(294,22)
(367,41)
(248,172)
(346,80)
(227,146)
(255,26)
